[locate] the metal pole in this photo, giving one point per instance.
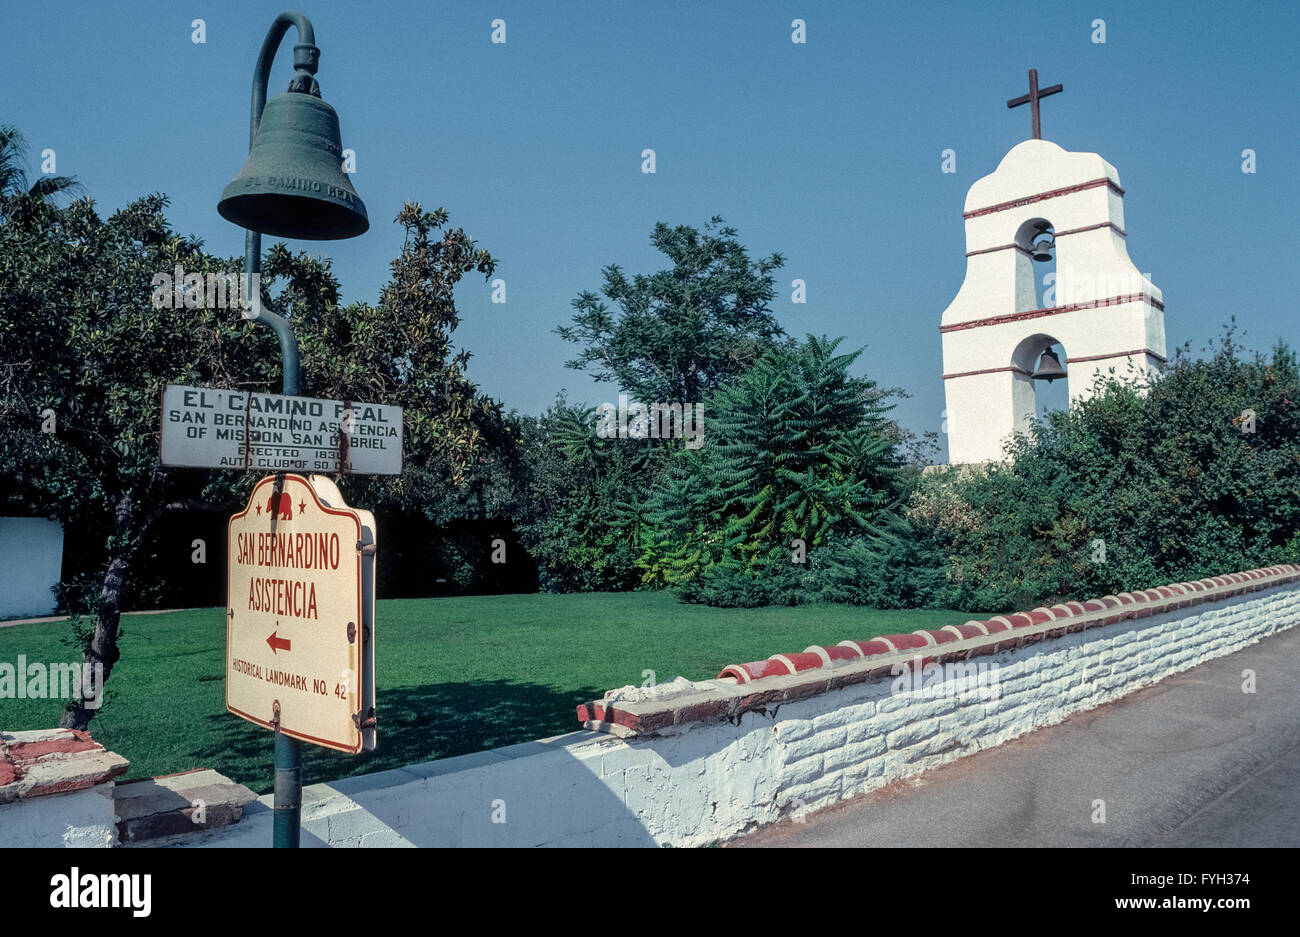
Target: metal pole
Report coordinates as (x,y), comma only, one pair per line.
(281,327)
(287,827)
(287,816)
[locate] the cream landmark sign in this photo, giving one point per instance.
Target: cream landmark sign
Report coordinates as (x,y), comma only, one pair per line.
(205,427)
(300,613)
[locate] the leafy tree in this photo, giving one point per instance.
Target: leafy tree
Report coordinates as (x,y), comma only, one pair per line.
(81,340)
(678,334)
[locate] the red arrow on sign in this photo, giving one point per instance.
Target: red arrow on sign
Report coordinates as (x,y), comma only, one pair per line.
(277,644)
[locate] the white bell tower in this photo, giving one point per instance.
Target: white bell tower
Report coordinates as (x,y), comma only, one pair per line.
(1100,308)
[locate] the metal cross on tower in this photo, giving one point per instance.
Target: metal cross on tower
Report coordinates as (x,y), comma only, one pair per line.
(1032,100)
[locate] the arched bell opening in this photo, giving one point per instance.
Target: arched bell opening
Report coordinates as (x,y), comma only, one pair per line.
(1037,239)
(1042,382)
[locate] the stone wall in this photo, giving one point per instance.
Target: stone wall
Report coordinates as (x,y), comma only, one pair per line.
(728,756)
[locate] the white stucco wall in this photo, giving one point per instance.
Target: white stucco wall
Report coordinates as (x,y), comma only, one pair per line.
(31,559)
(78,819)
(705,782)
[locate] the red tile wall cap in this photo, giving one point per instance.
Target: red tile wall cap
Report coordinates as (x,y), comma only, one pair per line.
(754,670)
(797,662)
(903,642)
(868,648)
(834,653)
(739,674)
(765,668)
(818,656)
(938,635)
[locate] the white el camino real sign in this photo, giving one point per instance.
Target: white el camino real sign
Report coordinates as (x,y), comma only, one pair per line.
(300,614)
(204,427)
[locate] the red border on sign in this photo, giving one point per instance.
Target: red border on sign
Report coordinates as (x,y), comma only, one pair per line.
(356,693)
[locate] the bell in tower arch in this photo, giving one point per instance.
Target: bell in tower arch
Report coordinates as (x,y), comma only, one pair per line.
(1049,367)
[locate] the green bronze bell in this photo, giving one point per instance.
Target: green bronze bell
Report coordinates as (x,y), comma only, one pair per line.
(293,184)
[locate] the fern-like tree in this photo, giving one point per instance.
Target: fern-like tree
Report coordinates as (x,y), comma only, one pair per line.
(796,449)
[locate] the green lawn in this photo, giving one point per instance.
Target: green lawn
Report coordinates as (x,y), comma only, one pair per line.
(456,675)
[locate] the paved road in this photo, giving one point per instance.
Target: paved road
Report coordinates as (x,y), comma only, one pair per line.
(46,618)
(1191,761)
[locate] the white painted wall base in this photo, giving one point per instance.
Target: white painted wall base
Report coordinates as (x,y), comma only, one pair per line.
(79,819)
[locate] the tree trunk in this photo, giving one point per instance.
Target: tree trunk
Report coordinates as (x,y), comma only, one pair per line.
(102,651)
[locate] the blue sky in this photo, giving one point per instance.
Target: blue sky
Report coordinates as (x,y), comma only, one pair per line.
(828,152)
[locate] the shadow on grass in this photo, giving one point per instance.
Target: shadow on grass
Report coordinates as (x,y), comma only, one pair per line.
(416,724)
